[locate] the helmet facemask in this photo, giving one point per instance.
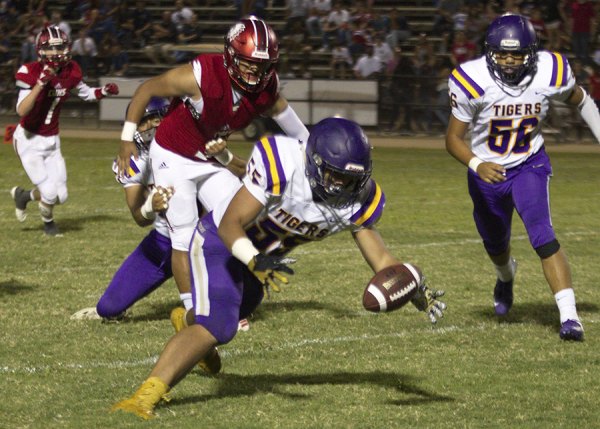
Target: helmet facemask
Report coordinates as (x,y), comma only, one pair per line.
(337,187)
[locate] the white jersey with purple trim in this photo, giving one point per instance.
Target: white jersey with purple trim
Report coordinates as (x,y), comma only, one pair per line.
(506,122)
(139,173)
(276,177)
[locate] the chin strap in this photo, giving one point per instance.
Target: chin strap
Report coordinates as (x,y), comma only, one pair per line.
(589,113)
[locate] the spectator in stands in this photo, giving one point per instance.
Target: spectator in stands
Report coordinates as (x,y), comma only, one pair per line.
(84,51)
(190,32)
(35,23)
(124,19)
(356,38)
(553,18)
(399,29)
(142,24)
(181,15)
(296,11)
(368,65)
(297,50)
(335,25)
(461,50)
(341,61)
(441,110)
(537,21)
(119,60)
(383,51)
(56,19)
(99,19)
(400,81)
(6,56)
(318,11)
(459,19)
(476,25)
(582,27)
(164,36)
(446,9)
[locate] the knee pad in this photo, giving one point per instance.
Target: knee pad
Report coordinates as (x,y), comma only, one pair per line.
(48,192)
(548,249)
(63,194)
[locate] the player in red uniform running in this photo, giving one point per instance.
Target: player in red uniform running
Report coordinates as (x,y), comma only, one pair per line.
(44,87)
(213,96)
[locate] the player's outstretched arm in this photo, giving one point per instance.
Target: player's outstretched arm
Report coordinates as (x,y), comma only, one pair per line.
(177,82)
(587,108)
(217,148)
(288,120)
(371,245)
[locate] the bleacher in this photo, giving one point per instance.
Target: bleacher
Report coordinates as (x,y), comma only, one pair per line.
(216,19)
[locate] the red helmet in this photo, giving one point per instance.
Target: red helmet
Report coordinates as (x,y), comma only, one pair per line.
(53,47)
(254,43)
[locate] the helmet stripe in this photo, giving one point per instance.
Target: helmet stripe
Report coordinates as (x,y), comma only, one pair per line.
(261,36)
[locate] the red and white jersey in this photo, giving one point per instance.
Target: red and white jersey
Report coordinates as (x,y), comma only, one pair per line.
(43,118)
(189,125)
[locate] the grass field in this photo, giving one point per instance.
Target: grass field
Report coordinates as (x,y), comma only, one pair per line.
(313,357)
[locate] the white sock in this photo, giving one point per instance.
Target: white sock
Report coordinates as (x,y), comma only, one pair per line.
(565,300)
(186,300)
(506,272)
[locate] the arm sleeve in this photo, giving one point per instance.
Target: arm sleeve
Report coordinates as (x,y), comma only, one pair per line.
(88,93)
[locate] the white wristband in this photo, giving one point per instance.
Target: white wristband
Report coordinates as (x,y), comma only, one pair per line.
(146,210)
(244,250)
(474,163)
(129,129)
(224,157)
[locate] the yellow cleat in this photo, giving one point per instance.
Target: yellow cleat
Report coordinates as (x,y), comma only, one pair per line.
(212,363)
(178,318)
(143,401)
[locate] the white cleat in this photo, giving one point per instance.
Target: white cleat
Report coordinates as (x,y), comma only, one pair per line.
(20,213)
(88,313)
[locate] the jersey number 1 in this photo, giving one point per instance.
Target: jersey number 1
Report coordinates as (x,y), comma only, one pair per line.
(504,136)
(51,110)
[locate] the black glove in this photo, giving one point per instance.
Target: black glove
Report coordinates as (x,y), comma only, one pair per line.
(269,269)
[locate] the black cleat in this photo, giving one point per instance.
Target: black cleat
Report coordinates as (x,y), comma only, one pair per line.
(51,229)
(21,198)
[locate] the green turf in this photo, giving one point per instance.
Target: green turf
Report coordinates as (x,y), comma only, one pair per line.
(313,357)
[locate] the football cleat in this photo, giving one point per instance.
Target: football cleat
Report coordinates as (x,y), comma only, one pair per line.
(143,401)
(211,364)
(571,330)
(88,313)
(178,318)
(51,229)
(503,293)
(21,198)
(244,325)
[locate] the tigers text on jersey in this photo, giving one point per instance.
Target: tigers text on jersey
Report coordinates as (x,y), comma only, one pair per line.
(186,131)
(139,173)
(276,177)
(507,121)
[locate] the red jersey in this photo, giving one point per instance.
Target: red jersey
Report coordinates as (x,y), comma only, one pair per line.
(43,118)
(184,132)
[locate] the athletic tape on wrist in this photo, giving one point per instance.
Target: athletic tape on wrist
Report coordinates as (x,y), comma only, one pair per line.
(129,129)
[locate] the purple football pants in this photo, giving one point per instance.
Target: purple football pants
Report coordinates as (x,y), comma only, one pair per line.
(223,289)
(526,189)
(142,272)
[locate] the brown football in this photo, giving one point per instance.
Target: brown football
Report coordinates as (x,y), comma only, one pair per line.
(392,287)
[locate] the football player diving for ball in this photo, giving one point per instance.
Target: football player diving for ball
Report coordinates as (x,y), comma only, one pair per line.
(44,86)
(292,193)
(213,96)
(505,95)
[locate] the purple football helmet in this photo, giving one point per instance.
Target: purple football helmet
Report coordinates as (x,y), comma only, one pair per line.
(157,107)
(338,161)
(515,34)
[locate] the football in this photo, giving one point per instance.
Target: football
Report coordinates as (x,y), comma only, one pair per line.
(392,287)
